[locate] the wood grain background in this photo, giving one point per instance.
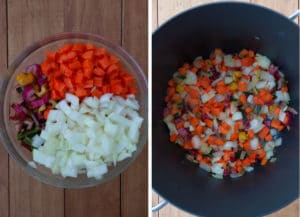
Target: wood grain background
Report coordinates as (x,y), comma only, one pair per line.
(162,10)
(21,23)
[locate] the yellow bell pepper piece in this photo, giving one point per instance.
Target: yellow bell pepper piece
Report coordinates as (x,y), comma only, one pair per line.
(24,79)
(233,86)
(236,75)
(180,88)
(242,136)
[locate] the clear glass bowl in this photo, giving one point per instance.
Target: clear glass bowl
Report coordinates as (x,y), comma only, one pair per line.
(36,54)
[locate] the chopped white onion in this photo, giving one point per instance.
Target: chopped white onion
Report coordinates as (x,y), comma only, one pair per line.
(88,137)
(254,143)
(237,116)
(262,61)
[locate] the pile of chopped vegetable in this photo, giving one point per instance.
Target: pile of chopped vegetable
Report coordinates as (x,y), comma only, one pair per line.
(77,112)
(227,111)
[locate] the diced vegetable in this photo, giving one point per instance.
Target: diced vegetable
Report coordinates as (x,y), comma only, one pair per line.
(232,107)
(89,140)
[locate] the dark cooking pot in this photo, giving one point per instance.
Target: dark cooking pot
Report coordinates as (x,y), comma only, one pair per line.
(230,26)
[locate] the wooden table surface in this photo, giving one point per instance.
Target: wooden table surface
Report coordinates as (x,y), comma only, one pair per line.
(162,10)
(21,23)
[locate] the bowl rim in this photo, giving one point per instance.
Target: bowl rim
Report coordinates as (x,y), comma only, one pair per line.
(7,143)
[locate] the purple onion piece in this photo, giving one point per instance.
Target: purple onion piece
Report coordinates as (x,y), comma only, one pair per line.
(177,120)
(18,127)
(226,172)
(215,148)
(233,171)
(27,146)
(40,117)
(204,116)
(232,159)
(289,118)
(35,69)
(274,71)
(183,132)
(20,113)
(35,118)
(280,83)
(292,111)
(267,122)
(28,93)
(39,102)
(41,80)
(166,112)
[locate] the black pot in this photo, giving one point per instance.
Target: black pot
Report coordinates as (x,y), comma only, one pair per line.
(230,26)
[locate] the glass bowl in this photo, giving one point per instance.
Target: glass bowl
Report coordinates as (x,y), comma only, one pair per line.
(36,54)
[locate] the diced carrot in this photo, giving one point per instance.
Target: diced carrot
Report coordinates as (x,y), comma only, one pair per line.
(117,89)
(88,84)
(250,134)
(243,99)
(258,100)
(243,53)
(234,136)
(263,161)
(194,121)
(78,79)
(90,47)
(96,92)
(46,67)
(51,55)
(182,71)
(268,137)
(248,110)
(99,72)
(193,93)
(277,125)
(219,142)
(84,70)
(251,53)
(199,129)
(209,123)
(277,111)
(247,146)
(264,132)
(75,65)
(173,138)
(211,140)
(239,169)
(68,83)
(65,48)
(104,63)
(218,51)
(171,83)
(70,55)
(242,86)
(98,81)
(247,61)
(100,52)
(88,55)
(224,128)
(114,60)
(284,89)
(194,69)
(112,68)
(223,68)
(46,113)
(78,47)
(204,82)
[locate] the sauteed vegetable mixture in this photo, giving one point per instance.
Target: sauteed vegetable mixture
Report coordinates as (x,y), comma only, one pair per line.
(227,111)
